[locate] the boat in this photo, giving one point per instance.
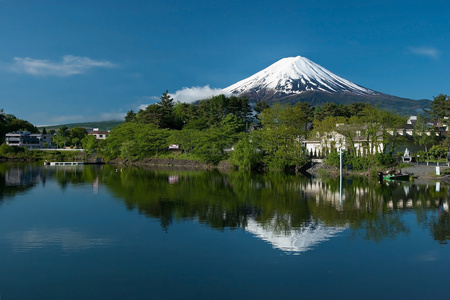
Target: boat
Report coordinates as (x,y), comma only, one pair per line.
(404,177)
(393,175)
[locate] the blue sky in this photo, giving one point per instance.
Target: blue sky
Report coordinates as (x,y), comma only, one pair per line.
(75,61)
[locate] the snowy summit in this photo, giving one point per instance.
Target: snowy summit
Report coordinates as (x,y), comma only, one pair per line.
(295,75)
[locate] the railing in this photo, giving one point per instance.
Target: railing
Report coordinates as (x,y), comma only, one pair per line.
(433,164)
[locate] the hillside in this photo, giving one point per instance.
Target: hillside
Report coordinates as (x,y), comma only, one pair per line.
(102,126)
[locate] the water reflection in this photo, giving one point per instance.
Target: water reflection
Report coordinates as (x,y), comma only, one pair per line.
(293,213)
(66,239)
(296,241)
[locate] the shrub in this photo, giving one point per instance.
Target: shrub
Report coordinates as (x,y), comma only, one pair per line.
(421,156)
(383,159)
(6,150)
(438,151)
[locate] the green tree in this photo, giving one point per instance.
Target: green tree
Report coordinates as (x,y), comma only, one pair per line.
(185,138)
(152,114)
(260,106)
(62,137)
(183,114)
(440,109)
(130,116)
(77,134)
(247,154)
(283,128)
(438,151)
(159,114)
(89,143)
(423,135)
(75,142)
(211,144)
(379,128)
(136,141)
(328,109)
(2,125)
(214,109)
(232,123)
(167,103)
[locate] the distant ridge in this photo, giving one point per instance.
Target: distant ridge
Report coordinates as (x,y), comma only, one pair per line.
(297,79)
(102,125)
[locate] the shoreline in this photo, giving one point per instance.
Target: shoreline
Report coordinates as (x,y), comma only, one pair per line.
(422,174)
(428,173)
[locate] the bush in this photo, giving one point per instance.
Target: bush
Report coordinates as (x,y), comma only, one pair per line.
(333,159)
(421,156)
(438,151)
(360,163)
(6,150)
(383,159)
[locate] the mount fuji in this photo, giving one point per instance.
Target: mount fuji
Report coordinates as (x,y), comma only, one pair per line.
(295,79)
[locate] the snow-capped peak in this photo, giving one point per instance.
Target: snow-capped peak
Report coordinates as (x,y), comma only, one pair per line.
(294,75)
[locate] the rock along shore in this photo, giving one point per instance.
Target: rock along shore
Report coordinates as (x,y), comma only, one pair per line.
(174,163)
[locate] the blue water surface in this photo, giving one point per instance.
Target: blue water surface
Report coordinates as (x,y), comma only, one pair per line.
(87,240)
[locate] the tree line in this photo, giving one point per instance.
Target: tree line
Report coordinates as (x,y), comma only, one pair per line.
(258,137)
(261,137)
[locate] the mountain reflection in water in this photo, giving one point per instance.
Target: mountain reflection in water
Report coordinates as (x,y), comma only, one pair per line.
(296,241)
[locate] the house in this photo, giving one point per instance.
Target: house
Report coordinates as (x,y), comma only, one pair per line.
(28,140)
(99,135)
(322,144)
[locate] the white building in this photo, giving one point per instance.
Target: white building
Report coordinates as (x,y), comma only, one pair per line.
(322,144)
(28,140)
(99,135)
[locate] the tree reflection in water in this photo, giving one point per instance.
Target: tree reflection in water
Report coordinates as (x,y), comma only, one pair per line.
(271,206)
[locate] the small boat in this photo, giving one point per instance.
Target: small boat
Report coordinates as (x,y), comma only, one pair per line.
(394,175)
(404,177)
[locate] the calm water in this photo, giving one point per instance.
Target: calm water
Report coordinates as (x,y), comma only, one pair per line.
(99,233)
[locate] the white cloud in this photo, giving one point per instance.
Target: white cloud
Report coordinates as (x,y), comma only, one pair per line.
(425,51)
(70,65)
(185,95)
(195,93)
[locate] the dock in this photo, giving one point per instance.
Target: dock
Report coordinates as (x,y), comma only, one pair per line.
(63,163)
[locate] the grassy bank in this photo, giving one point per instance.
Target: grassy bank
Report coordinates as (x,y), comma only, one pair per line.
(8,153)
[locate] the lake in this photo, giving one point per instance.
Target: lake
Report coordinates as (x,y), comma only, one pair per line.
(99,232)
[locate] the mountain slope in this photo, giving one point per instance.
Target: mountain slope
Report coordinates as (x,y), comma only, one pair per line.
(295,79)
